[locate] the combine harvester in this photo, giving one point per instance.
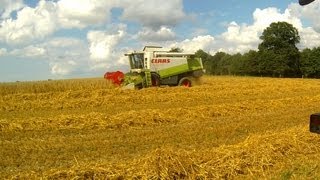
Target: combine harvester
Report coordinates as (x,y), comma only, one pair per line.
(156,66)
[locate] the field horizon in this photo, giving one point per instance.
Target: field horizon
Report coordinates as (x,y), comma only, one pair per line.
(226,127)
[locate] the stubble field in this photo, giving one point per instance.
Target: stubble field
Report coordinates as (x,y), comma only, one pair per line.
(223,128)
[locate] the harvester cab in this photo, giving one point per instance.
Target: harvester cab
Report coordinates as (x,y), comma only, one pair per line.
(136,61)
(155,66)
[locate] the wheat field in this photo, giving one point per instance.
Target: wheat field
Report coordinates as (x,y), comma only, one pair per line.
(223,128)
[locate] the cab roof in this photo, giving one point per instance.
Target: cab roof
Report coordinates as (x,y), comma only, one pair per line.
(154,48)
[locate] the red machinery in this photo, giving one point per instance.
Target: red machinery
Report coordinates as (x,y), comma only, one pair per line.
(115,77)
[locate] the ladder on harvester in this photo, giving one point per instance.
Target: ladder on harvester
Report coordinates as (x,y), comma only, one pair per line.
(148,81)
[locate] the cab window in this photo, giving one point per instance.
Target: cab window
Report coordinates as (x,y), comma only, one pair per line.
(137,61)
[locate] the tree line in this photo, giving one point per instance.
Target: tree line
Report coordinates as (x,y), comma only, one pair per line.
(277,56)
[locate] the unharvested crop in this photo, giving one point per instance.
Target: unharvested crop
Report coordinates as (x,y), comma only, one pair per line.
(224,128)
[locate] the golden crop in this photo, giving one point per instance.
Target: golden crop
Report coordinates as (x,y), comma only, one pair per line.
(223,128)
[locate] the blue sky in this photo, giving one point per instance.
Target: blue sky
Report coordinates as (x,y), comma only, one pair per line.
(58,39)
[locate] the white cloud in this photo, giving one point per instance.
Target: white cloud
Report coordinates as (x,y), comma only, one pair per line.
(29,51)
(310,12)
(31,23)
(81,13)
(9,6)
(241,34)
(65,44)
(310,35)
(102,47)
(163,34)
(49,16)
(3,51)
(309,38)
(153,13)
(263,18)
(238,38)
(200,31)
(54,49)
(245,37)
(200,42)
(63,68)
(66,55)
(242,38)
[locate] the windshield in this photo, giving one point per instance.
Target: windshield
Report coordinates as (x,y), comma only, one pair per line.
(136,61)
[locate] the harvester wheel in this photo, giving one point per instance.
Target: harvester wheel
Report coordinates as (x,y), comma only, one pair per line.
(155,79)
(185,81)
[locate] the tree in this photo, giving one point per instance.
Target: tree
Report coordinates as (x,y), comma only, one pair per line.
(237,67)
(217,63)
(278,54)
(250,63)
(272,64)
(206,60)
(278,36)
(176,49)
(310,62)
(224,64)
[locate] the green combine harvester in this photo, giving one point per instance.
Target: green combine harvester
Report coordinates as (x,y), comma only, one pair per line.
(156,66)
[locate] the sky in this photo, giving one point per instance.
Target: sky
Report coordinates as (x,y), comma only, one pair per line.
(60,39)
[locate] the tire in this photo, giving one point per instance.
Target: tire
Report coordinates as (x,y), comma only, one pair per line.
(139,86)
(185,81)
(155,79)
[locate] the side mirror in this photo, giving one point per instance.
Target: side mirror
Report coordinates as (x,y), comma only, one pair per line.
(305,2)
(315,123)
